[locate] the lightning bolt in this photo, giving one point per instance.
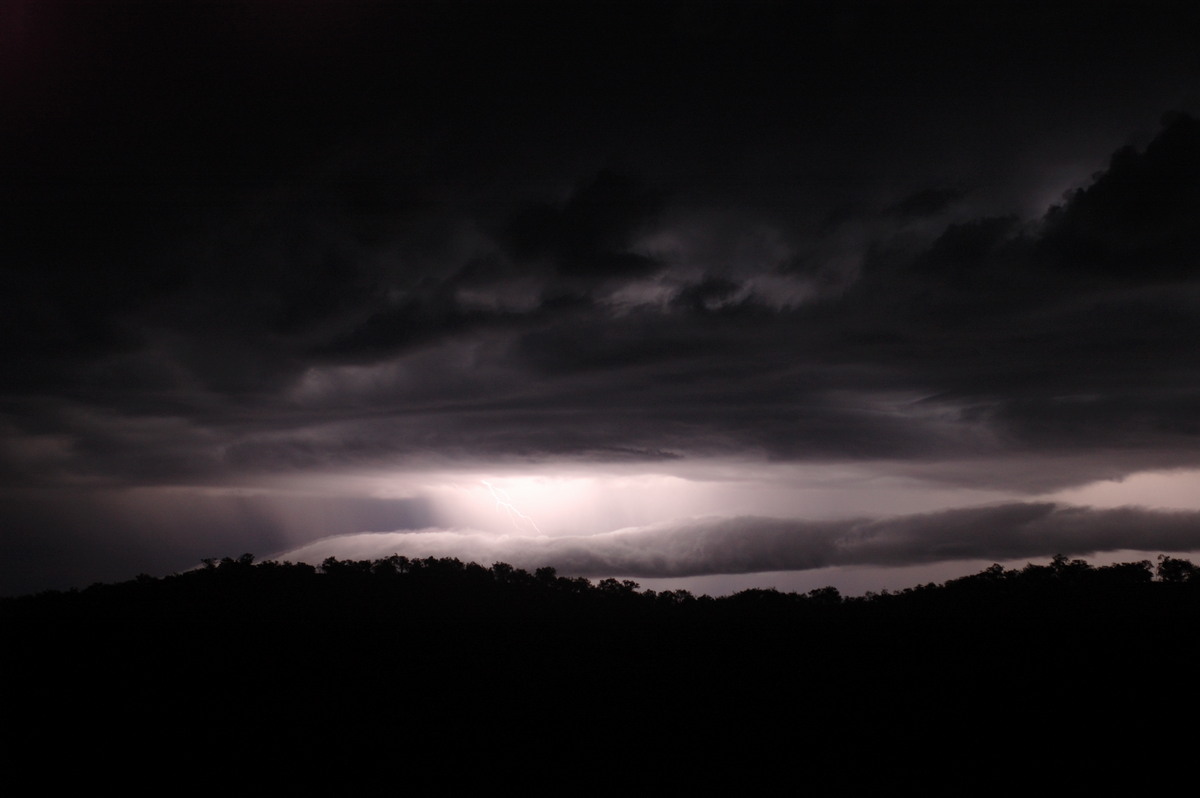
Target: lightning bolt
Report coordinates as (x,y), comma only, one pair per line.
(504,502)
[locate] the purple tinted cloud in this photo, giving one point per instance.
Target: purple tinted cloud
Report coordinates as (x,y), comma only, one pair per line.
(698,546)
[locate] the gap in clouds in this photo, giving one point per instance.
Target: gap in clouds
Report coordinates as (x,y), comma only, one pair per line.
(870,552)
(722,526)
(1179,490)
(588,499)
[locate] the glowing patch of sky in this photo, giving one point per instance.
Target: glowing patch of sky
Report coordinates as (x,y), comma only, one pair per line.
(1170,490)
(584,500)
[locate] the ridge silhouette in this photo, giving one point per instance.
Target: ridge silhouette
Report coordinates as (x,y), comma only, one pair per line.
(436,660)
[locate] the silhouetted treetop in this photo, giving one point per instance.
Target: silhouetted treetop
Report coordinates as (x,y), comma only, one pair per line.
(400,589)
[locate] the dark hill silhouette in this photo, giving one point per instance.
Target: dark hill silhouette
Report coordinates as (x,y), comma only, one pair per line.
(434,661)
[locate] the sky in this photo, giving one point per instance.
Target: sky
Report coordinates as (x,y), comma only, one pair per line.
(710,295)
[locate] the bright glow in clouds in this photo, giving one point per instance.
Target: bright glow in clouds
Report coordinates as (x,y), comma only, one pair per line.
(708,519)
(1175,490)
(555,505)
(589,499)
(504,502)
(756,544)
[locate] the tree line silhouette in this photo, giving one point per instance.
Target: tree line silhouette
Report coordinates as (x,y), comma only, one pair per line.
(404,590)
(239,661)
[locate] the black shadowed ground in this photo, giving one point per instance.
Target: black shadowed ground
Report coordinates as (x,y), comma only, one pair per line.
(273,667)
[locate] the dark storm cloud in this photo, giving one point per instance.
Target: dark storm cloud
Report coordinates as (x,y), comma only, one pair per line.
(708,294)
(1137,222)
(926,202)
(403,326)
(249,237)
(982,340)
(591,234)
(692,547)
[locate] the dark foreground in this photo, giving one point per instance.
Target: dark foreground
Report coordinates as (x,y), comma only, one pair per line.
(445,678)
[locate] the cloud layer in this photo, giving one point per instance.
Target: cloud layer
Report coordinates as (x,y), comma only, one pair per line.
(588,328)
(249,244)
(747,544)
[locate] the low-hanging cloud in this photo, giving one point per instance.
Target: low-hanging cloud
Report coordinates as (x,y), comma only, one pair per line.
(748,544)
